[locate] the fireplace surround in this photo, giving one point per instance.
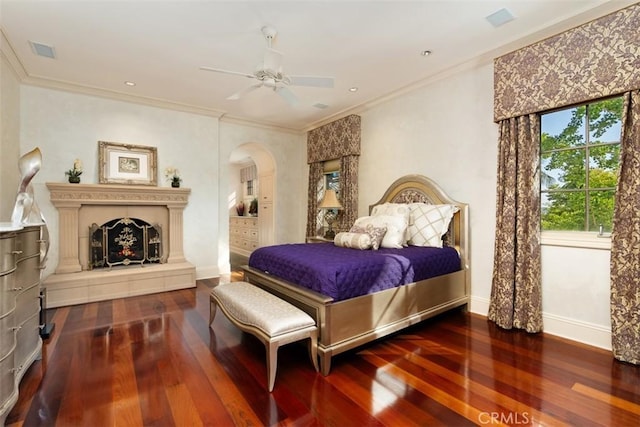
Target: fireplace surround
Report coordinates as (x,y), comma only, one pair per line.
(81,205)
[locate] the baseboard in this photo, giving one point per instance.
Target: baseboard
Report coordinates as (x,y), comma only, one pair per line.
(575,330)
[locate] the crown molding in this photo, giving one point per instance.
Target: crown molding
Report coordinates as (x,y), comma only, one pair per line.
(9,55)
(260,125)
(119,96)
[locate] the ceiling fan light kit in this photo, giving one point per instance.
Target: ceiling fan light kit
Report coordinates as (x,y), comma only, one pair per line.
(269,74)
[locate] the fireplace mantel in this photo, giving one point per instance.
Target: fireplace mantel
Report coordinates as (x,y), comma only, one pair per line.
(68,195)
(79,205)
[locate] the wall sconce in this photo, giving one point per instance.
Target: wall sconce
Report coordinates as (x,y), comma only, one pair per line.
(332,205)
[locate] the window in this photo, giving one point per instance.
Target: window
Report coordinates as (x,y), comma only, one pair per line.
(250,187)
(579,165)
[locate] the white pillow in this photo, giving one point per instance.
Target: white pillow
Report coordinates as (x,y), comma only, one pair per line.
(429,223)
(360,241)
(396,226)
(395,209)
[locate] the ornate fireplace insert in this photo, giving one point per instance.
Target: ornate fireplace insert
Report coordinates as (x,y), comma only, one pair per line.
(124,241)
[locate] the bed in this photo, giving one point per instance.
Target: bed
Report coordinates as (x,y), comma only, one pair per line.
(346,322)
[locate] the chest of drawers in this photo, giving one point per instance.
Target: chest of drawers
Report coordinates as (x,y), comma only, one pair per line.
(243,234)
(20,343)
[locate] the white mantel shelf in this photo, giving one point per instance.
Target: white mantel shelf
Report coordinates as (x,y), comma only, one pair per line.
(79,205)
(105,194)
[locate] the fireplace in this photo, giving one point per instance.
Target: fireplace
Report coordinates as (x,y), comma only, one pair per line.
(81,276)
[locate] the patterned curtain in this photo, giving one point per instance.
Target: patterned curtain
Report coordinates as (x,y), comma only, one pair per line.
(315,174)
(348,192)
(625,240)
(516,288)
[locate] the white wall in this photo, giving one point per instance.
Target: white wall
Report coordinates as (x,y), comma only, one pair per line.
(445,131)
(67,126)
(9,138)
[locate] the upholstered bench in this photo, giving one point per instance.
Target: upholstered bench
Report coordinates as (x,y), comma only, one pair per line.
(272,320)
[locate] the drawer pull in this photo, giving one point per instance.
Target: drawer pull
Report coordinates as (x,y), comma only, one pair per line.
(16,252)
(15,328)
(19,288)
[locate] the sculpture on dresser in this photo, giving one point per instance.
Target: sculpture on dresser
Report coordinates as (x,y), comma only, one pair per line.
(26,209)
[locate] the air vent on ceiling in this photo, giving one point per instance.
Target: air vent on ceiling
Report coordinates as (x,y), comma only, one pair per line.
(500,17)
(43,50)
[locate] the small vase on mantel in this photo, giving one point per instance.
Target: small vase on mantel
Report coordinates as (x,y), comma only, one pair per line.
(175,183)
(74,179)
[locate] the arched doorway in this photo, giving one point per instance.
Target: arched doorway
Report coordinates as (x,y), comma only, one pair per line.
(246,232)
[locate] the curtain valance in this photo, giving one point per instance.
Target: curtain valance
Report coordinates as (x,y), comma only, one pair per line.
(248,173)
(597,59)
(334,140)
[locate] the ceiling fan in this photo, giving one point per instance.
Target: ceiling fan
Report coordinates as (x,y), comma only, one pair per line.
(269,74)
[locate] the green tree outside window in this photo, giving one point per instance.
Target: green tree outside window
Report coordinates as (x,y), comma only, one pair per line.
(580,149)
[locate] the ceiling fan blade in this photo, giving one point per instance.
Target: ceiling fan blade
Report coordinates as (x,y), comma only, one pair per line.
(243,92)
(287,95)
(272,60)
(237,73)
(311,81)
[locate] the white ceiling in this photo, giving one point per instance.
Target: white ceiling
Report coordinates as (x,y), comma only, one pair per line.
(160,45)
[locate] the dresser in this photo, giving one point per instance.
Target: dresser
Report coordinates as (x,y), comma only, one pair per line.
(243,234)
(20,342)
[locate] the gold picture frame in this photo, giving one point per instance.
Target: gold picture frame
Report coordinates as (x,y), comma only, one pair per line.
(127,164)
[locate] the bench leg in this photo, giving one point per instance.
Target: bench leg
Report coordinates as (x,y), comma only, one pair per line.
(313,349)
(272,363)
(212,310)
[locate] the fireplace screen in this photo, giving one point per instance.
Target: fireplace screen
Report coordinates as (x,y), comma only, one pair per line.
(124,241)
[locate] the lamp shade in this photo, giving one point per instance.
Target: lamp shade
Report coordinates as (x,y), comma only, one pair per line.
(330,201)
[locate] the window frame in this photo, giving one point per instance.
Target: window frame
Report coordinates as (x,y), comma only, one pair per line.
(583,238)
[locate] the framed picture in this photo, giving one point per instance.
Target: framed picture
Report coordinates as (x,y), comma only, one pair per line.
(127,164)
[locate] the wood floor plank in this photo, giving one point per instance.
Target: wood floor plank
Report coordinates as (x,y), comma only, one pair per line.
(154,360)
(607,398)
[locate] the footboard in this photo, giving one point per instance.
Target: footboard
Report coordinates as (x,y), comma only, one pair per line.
(347,324)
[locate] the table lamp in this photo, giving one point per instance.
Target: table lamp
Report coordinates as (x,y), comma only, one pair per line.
(331,204)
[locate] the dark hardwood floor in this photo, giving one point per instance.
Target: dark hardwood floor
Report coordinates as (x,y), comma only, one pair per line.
(154,361)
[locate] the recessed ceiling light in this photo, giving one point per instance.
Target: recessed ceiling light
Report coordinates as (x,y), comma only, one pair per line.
(320,105)
(425,53)
(128,83)
(353,89)
(500,17)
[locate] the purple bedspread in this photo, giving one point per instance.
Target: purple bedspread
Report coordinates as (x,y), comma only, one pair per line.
(343,273)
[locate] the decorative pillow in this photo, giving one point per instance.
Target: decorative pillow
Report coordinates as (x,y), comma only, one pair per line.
(360,241)
(376,234)
(394,209)
(429,223)
(396,226)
